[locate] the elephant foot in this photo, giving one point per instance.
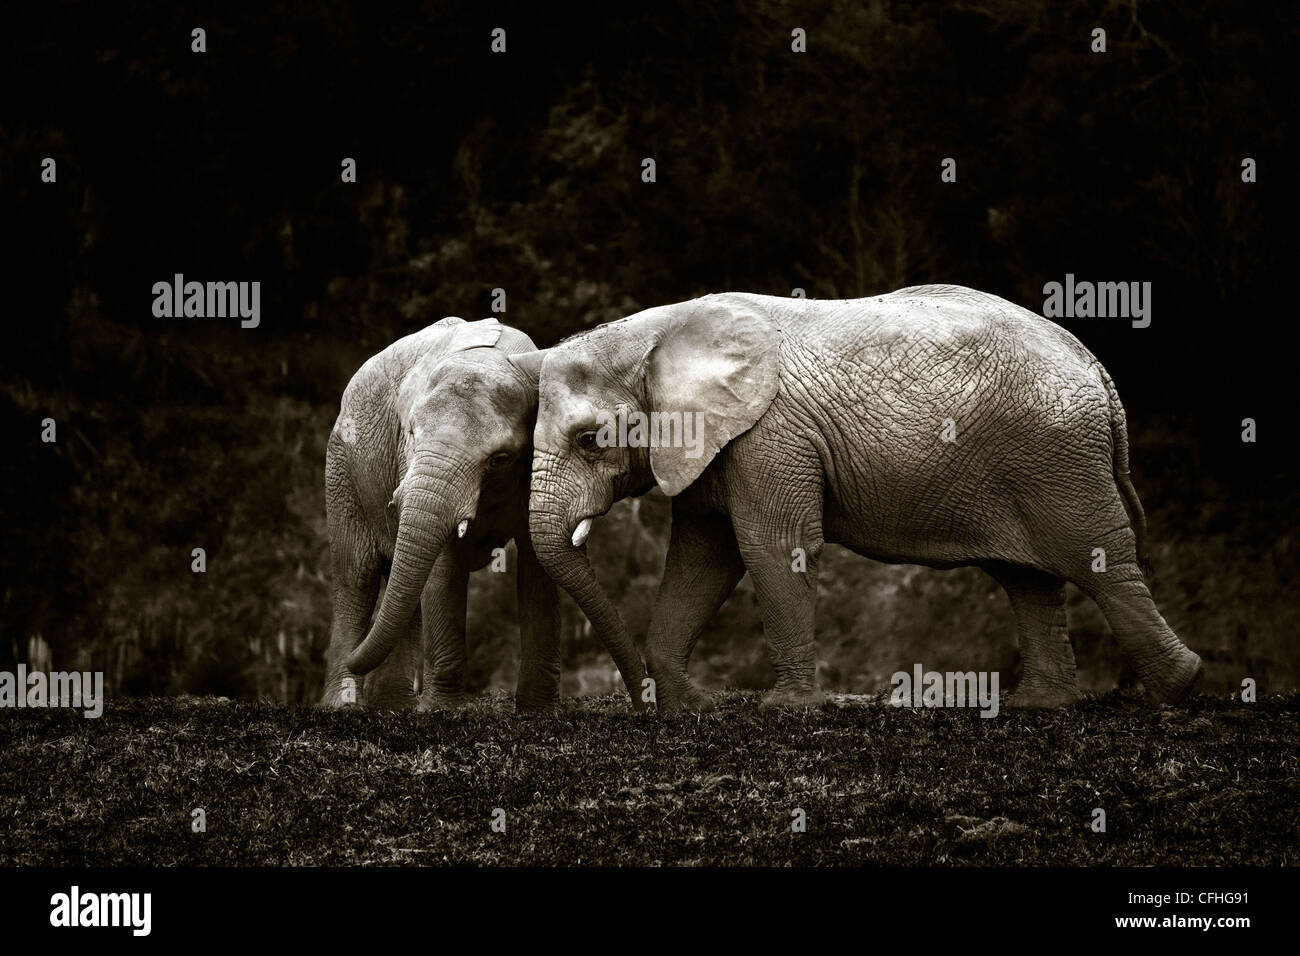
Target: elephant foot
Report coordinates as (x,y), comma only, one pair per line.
(1178,679)
(432,700)
(335,697)
(407,702)
(1032,695)
(538,692)
(537,706)
(690,700)
(793,698)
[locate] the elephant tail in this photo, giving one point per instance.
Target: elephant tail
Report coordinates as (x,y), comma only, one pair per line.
(1119,442)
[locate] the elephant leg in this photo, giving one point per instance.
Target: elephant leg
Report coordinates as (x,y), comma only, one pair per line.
(1167,667)
(1047,674)
(539,633)
(781,543)
(392,684)
(442,607)
(701,570)
(355,563)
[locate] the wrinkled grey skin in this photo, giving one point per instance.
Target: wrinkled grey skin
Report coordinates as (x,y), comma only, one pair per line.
(434,431)
(823,422)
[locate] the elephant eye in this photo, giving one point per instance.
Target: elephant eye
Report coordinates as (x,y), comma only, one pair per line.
(500,459)
(587,441)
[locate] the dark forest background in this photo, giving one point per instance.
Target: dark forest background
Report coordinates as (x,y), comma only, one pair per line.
(522,171)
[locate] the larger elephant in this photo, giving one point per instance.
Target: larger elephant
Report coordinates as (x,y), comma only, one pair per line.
(935,425)
(426,474)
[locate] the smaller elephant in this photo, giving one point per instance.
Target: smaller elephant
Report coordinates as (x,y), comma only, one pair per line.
(426,474)
(935,425)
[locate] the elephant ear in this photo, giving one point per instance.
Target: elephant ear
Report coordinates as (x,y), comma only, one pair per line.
(716,364)
(461,335)
(529,364)
(436,342)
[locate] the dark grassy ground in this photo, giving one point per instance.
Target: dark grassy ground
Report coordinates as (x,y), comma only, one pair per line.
(1214,782)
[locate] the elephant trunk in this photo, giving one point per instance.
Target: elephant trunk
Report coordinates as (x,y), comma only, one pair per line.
(422,531)
(570,568)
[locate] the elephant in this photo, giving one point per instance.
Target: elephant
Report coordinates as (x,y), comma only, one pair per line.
(934,425)
(426,473)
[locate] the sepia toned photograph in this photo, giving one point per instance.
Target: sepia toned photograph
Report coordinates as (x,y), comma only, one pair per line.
(851,437)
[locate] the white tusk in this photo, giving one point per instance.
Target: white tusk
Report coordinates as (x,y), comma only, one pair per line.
(580,533)
(462,528)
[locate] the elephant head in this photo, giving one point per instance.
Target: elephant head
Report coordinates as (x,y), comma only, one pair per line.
(458,408)
(693,376)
